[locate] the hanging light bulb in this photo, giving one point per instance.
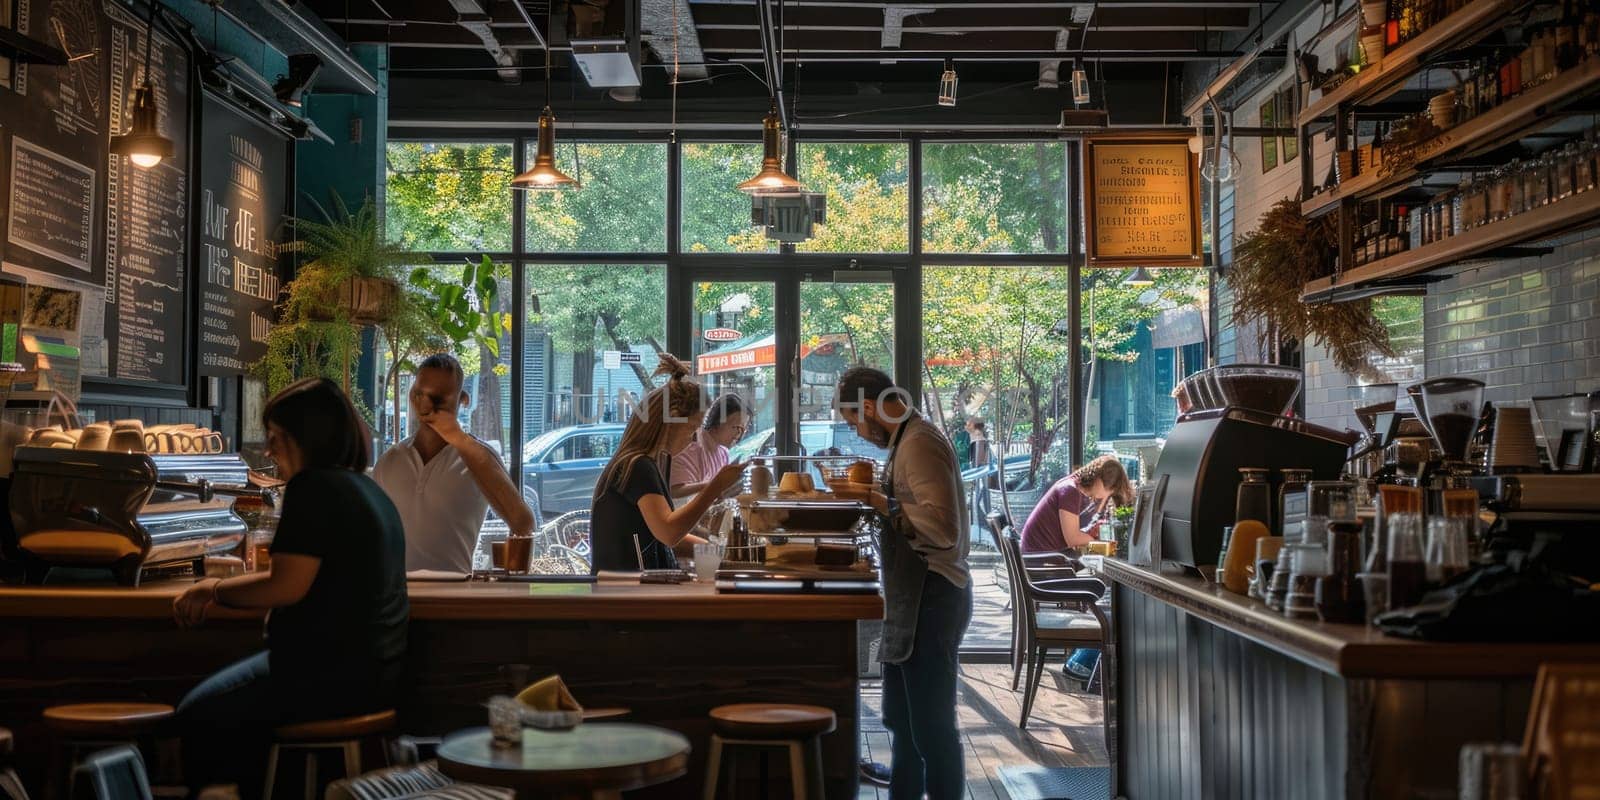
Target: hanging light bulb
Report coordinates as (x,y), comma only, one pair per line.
(1139,277)
(1197,142)
(947,85)
(143,143)
(544,175)
(1080,84)
(771,179)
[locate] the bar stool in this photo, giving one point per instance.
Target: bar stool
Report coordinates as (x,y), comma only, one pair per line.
(795,727)
(93,726)
(345,734)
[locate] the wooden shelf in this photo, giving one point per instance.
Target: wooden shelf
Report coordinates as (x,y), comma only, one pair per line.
(1468,25)
(1481,242)
(1505,123)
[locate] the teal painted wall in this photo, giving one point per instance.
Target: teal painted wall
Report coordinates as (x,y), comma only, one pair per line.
(227,38)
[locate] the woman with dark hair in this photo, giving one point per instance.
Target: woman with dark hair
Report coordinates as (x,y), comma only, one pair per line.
(696,464)
(1069,515)
(336,590)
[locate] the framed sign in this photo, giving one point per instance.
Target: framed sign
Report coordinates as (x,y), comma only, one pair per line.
(1143,201)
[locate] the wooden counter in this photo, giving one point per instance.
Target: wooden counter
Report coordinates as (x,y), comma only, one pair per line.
(1349,651)
(1215,695)
(669,653)
(476,600)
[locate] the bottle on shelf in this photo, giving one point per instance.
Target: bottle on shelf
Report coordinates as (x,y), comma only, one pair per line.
(1391,25)
(1563,169)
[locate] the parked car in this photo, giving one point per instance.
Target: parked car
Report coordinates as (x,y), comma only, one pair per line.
(562,465)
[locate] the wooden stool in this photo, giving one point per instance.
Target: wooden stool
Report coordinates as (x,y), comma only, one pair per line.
(94,726)
(795,727)
(344,734)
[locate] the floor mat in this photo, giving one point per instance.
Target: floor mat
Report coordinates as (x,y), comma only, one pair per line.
(1060,783)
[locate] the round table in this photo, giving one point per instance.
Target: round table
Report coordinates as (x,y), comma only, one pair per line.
(596,760)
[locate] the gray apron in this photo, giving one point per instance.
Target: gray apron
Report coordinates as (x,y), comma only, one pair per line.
(904,570)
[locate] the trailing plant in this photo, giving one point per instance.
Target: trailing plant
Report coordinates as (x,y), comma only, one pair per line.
(1272,265)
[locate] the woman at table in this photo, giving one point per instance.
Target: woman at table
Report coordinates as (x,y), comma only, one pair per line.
(336,593)
(634,518)
(707,453)
(1070,513)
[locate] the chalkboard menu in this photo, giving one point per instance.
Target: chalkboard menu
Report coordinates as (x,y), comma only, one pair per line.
(147,212)
(79,219)
(1143,199)
(243,176)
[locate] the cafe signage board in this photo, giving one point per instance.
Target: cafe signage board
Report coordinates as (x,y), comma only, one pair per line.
(1143,200)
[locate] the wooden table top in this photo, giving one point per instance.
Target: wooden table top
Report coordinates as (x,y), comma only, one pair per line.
(608,599)
(1351,651)
(604,756)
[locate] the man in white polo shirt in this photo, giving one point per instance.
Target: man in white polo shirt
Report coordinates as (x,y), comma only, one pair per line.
(442,479)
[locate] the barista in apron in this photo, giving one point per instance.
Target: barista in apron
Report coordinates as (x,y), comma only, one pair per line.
(926,587)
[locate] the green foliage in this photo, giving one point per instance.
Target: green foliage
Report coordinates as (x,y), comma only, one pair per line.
(442,197)
(466,308)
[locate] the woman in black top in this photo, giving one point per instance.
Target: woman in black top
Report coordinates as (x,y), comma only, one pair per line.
(336,591)
(631,497)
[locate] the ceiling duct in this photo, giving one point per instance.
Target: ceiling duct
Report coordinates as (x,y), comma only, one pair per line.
(1050,71)
(475,18)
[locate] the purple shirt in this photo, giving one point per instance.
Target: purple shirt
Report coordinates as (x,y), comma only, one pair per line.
(699,461)
(1042,532)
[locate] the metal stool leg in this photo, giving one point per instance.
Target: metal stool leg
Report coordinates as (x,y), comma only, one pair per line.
(11,786)
(272,773)
(311,773)
(713,768)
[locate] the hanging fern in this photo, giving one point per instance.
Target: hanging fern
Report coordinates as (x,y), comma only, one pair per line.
(1271,267)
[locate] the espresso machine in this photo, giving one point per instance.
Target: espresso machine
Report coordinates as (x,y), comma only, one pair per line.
(1236,418)
(123,512)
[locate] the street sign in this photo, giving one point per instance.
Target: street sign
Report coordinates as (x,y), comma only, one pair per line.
(631,357)
(720,335)
(612,359)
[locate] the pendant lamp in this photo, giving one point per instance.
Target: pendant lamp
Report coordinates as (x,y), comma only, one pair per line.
(544,175)
(1140,277)
(143,143)
(771,179)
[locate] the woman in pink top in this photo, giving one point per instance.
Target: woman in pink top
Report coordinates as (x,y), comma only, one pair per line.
(1069,515)
(726,422)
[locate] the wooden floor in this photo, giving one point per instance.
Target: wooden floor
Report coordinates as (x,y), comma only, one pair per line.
(1064,731)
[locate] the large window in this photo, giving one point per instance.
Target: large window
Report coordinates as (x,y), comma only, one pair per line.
(590,344)
(1008,197)
(716,215)
(622,207)
(1138,341)
(866,186)
(449,197)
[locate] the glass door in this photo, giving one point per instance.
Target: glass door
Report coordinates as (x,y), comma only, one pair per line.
(780,338)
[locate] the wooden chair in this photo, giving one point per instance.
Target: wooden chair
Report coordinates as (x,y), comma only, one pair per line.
(1051,568)
(797,728)
(1046,630)
(345,734)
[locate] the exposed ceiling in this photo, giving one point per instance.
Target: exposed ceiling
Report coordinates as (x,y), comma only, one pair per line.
(992,42)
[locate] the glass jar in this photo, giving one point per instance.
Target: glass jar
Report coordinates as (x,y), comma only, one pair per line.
(1254,498)
(1294,482)
(1499,192)
(1327,502)
(1563,162)
(1516,195)
(1539,186)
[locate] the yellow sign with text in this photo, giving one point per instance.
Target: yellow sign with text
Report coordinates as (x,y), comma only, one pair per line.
(1143,202)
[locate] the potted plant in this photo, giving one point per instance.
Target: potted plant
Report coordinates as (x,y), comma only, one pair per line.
(350,280)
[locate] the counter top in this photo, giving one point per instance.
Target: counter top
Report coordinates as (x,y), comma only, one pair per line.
(1351,651)
(476,600)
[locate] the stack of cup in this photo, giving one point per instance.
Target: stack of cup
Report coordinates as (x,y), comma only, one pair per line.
(1513,448)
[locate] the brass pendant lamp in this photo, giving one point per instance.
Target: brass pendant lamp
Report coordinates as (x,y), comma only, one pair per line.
(544,175)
